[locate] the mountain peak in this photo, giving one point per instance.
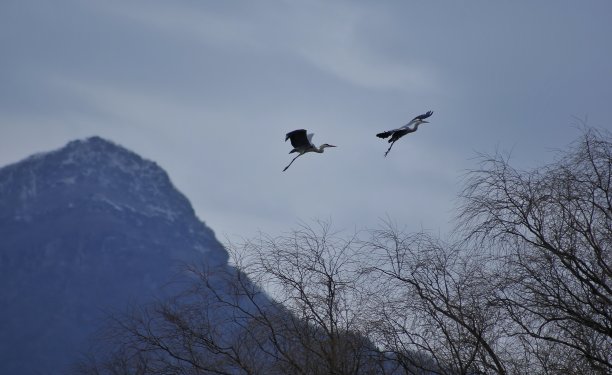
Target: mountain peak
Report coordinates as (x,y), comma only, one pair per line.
(90,170)
(91,146)
(95,175)
(92,142)
(95,149)
(86,228)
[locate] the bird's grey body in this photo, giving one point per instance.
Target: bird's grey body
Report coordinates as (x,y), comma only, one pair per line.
(302,143)
(410,127)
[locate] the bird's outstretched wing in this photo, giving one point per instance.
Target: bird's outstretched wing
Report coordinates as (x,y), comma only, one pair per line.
(386,134)
(298,138)
(393,131)
(423,116)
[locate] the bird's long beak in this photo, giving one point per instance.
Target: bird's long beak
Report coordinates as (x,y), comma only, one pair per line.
(427,122)
(331,146)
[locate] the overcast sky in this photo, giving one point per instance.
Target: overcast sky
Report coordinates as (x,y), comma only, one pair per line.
(208,89)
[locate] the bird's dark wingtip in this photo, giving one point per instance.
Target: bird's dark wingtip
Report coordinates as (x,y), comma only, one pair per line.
(424,116)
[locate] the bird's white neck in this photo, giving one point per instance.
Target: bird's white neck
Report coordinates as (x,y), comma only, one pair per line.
(415,127)
(321,148)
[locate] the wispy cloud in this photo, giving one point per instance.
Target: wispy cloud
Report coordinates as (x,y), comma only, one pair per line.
(325,35)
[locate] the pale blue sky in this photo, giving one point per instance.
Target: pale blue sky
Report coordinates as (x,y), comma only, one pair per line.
(208,90)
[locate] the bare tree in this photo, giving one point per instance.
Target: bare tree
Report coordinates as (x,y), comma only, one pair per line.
(552,227)
(224,324)
(526,289)
(315,275)
(207,329)
(435,315)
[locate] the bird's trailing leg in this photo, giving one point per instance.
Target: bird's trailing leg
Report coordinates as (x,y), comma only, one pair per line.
(389,149)
(292,162)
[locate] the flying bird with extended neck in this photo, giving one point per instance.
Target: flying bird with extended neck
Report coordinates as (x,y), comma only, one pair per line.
(400,132)
(302,143)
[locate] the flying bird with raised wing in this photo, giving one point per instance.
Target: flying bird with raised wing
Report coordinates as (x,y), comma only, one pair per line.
(398,133)
(302,143)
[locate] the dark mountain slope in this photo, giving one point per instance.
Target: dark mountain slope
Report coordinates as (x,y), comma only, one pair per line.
(85,230)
